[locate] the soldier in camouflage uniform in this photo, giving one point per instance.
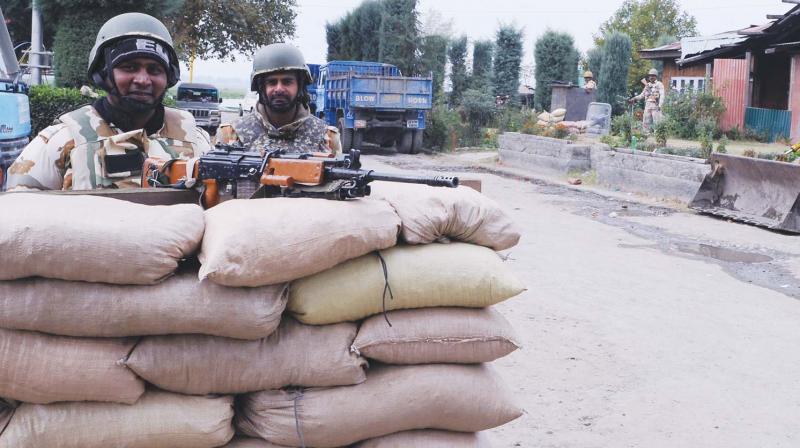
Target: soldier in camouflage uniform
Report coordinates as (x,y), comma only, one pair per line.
(281,118)
(103,145)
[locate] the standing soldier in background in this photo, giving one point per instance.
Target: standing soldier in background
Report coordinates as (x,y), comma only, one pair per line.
(590,84)
(104,145)
(281,118)
(653,95)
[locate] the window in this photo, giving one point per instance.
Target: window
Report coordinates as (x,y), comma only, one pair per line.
(688,83)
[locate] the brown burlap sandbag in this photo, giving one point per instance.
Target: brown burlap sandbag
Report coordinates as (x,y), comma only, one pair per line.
(157,420)
(466,398)
(94,239)
(430,214)
(245,442)
(266,241)
(295,354)
(39,368)
(6,411)
(429,275)
(179,305)
(436,335)
(428,438)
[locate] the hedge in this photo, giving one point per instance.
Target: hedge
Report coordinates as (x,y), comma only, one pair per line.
(48,103)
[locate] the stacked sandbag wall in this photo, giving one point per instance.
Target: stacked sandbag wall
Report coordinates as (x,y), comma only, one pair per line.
(112,333)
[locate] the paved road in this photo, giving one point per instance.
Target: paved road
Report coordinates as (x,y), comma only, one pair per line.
(644,326)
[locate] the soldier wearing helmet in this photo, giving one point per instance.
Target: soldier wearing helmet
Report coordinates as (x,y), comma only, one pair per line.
(590,84)
(281,118)
(104,144)
(653,96)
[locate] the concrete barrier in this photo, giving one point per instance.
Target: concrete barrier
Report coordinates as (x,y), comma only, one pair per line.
(655,175)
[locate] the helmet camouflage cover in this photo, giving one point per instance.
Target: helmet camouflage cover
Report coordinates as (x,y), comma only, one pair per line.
(278,58)
(652,72)
(132,24)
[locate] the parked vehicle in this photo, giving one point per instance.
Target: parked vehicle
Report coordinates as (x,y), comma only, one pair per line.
(203,101)
(372,102)
(15,112)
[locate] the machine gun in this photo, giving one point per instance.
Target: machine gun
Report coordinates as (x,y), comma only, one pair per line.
(233,172)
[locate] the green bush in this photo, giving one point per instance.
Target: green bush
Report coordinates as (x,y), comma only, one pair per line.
(685,111)
(443,128)
(48,103)
(662,132)
(722,146)
(756,135)
(734,133)
(623,126)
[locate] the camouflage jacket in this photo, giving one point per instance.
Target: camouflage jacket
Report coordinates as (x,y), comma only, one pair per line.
(74,153)
(306,134)
(653,93)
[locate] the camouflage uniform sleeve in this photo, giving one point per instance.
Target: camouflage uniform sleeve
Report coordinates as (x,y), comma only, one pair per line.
(332,140)
(42,164)
(203,140)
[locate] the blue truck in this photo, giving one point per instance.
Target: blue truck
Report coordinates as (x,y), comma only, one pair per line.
(15,112)
(373,103)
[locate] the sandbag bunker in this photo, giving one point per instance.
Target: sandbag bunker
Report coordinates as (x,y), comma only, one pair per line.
(306,322)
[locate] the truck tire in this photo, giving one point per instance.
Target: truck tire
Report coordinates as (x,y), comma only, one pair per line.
(417,142)
(346,136)
(405,144)
(358,138)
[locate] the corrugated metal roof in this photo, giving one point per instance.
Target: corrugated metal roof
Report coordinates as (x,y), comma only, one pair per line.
(692,46)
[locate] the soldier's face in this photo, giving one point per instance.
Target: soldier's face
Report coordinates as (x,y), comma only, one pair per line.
(281,90)
(651,78)
(141,79)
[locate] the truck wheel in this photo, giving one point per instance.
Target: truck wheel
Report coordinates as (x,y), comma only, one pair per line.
(405,144)
(417,141)
(358,138)
(346,135)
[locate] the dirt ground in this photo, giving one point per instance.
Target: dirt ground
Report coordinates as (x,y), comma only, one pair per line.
(643,326)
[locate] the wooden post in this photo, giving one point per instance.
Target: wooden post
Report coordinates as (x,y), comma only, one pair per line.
(748,82)
(706,87)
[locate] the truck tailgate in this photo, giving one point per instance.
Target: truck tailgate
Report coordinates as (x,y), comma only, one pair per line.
(383,92)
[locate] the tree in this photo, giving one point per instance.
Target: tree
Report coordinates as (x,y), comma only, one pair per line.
(594,61)
(222,28)
(18,20)
(507,62)
(399,33)
(333,36)
(482,58)
(644,21)
(613,77)
(556,60)
(77,23)
(457,54)
(661,41)
(433,58)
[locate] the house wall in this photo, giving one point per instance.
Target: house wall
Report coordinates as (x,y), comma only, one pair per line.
(794,97)
(671,70)
(730,81)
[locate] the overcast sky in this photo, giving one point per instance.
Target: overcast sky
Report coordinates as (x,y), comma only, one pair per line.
(479,19)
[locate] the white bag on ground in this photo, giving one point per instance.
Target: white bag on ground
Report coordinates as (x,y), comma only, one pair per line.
(428,438)
(94,239)
(179,305)
(266,241)
(467,398)
(436,335)
(430,275)
(157,420)
(431,214)
(296,354)
(39,368)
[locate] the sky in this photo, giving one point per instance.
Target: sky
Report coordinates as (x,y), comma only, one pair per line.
(476,20)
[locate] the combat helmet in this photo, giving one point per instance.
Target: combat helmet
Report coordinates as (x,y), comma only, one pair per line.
(588,74)
(652,72)
(131,25)
(278,58)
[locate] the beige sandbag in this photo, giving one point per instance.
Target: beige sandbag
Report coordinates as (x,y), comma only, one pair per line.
(7,408)
(94,239)
(543,123)
(245,442)
(39,368)
(429,214)
(559,113)
(157,420)
(545,116)
(179,305)
(431,275)
(436,335)
(266,241)
(467,398)
(296,354)
(428,438)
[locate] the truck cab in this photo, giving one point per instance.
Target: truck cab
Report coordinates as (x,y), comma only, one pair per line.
(202,101)
(15,123)
(373,103)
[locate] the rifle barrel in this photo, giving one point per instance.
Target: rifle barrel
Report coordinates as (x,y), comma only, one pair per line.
(434,181)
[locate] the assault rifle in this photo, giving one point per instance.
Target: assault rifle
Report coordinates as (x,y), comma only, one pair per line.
(234,172)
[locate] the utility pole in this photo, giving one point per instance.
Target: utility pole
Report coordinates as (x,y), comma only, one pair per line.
(35,54)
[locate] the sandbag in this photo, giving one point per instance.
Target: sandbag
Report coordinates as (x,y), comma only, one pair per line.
(245,442)
(7,408)
(467,398)
(428,438)
(431,275)
(157,420)
(266,241)
(179,305)
(94,239)
(431,214)
(559,113)
(39,368)
(544,116)
(436,335)
(295,354)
